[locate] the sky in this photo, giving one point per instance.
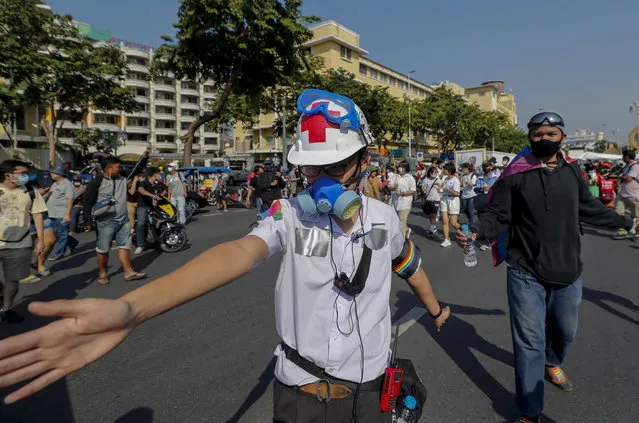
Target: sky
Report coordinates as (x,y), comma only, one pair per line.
(579,58)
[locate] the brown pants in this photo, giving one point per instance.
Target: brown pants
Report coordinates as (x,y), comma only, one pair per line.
(131,208)
(403,218)
(290,405)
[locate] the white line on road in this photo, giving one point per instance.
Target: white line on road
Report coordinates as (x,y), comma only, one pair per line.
(221,213)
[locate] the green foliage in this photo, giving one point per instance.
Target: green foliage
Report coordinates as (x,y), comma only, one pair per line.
(46,61)
(244,46)
(92,138)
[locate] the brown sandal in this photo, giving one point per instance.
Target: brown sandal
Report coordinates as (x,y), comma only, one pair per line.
(103,281)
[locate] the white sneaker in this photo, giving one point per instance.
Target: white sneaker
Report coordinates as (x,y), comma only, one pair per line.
(484,247)
(138,251)
(446,243)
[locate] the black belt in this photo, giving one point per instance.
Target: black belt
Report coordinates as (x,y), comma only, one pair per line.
(318,372)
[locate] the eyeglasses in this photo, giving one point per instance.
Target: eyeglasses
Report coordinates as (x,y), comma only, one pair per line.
(313,101)
(546,118)
(330,170)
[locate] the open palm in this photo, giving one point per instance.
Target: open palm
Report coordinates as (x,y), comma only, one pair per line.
(88,330)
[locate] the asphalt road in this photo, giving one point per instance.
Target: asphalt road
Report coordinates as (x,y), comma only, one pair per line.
(211,360)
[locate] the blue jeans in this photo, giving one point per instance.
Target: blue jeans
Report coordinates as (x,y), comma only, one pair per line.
(108,230)
(543,321)
(179,203)
(63,239)
(141,216)
(468,207)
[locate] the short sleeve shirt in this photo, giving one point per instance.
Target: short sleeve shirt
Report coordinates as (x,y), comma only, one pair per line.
(16,209)
(57,201)
(176,183)
(308,307)
(631,189)
(452,182)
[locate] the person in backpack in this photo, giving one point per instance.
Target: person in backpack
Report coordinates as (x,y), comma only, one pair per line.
(105,204)
(268,185)
(323,235)
(17,206)
(535,213)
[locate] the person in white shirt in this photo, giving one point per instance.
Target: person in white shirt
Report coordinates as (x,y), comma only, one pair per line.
(468,181)
(432,195)
(404,186)
(450,205)
(339,250)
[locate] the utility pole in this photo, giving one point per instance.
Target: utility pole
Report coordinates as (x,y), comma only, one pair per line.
(410,144)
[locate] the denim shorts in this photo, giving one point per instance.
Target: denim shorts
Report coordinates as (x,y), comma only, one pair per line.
(46,224)
(111,229)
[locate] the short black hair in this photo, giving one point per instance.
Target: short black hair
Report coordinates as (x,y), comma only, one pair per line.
(431,170)
(630,154)
(505,157)
(9,166)
(493,160)
(108,162)
(467,166)
(405,165)
(450,168)
(153,171)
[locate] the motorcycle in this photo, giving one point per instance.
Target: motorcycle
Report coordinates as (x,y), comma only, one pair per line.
(162,225)
(232,197)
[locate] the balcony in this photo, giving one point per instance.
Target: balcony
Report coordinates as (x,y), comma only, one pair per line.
(134,52)
(165,145)
(138,68)
(133,129)
(163,102)
(190,91)
(164,116)
(142,99)
(137,83)
(162,87)
(190,106)
(107,127)
(165,131)
(187,118)
(141,114)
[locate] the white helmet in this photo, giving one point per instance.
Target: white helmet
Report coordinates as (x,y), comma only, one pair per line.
(331,129)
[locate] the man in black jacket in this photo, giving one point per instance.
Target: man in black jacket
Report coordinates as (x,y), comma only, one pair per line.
(539,202)
(268,185)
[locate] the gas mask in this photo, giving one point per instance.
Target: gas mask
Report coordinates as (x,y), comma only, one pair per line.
(329,196)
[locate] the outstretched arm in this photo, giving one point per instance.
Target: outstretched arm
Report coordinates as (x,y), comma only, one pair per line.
(90,328)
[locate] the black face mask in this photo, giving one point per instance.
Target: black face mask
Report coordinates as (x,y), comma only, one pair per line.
(545,148)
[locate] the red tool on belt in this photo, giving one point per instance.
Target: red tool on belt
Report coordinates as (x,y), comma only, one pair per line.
(392,380)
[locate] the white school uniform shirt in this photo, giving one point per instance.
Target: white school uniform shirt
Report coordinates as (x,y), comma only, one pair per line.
(308,306)
(404,183)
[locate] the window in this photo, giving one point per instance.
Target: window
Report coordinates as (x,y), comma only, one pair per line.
(393,81)
(482,93)
(164,124)
(143,107)
(362,69)
(137,137)
(210,140)
(345,53)
(208,89)
(165,110)
(186,112)
(189,99)
(140,92)
(165,138)
(373,74)
(382,77)
(137,61)
(184,125)
(165,81)
(189,85)
(138,122)
(106,119)
(164,96)
(20,121)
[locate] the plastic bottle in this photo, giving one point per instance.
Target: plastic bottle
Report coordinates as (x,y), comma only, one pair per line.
(470,254)
(407,414)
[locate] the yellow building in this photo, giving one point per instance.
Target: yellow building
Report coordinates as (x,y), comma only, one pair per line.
(339,47)
(489,96)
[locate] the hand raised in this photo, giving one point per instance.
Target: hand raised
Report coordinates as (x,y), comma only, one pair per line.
(87,330)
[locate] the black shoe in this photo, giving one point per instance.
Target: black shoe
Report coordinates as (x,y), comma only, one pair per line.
(10,316)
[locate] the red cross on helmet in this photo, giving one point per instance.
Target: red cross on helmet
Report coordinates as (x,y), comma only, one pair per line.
(331,128)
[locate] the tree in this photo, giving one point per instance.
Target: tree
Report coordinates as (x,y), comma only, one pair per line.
(244,46)
(92,138)
(510,139)
(69,74)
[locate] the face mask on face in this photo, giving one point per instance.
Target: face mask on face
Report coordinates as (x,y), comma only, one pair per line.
(20,180)
(171,169)
(545,148)
(401,170)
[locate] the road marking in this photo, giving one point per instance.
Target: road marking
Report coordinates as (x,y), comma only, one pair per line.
(221,213)
(408,320)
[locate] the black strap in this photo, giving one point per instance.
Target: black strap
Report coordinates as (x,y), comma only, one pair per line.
(310,367)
